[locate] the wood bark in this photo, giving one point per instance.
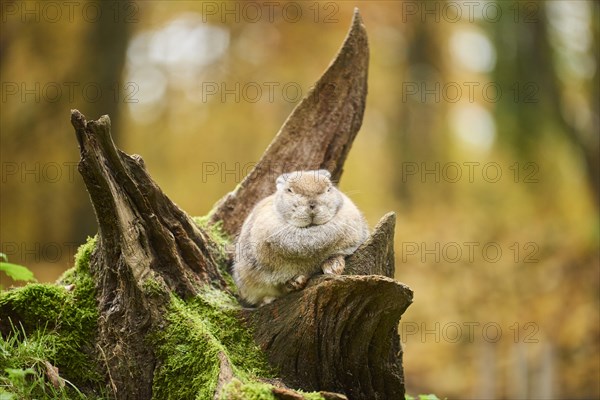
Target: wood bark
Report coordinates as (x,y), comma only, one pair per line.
(339,334)
(142,234)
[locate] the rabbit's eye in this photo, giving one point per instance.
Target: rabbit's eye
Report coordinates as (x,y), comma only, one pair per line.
(290,190)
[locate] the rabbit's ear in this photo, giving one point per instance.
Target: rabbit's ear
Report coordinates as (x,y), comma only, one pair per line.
(281,180)
(325,173)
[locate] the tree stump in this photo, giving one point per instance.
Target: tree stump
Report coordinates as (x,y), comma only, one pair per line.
(337,335)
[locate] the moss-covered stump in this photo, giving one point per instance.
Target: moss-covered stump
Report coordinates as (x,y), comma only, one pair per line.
(150,311)
(49,333)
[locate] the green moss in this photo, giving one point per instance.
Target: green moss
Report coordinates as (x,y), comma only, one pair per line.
(214,230)
(59,320)
(66,318)
(189,347)
(25,371)
(83,255)
(236,390)
(313,396)
(35,303)
(223,243)
(153,288)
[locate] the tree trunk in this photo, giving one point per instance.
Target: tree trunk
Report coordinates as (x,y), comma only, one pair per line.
(339,334)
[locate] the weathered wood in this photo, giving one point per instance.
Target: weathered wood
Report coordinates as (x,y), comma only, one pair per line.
(142,235)
(318,134)
(376,255)
(136,220)
(338,334)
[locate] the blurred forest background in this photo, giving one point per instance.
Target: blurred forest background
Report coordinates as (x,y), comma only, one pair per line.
(481,132)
